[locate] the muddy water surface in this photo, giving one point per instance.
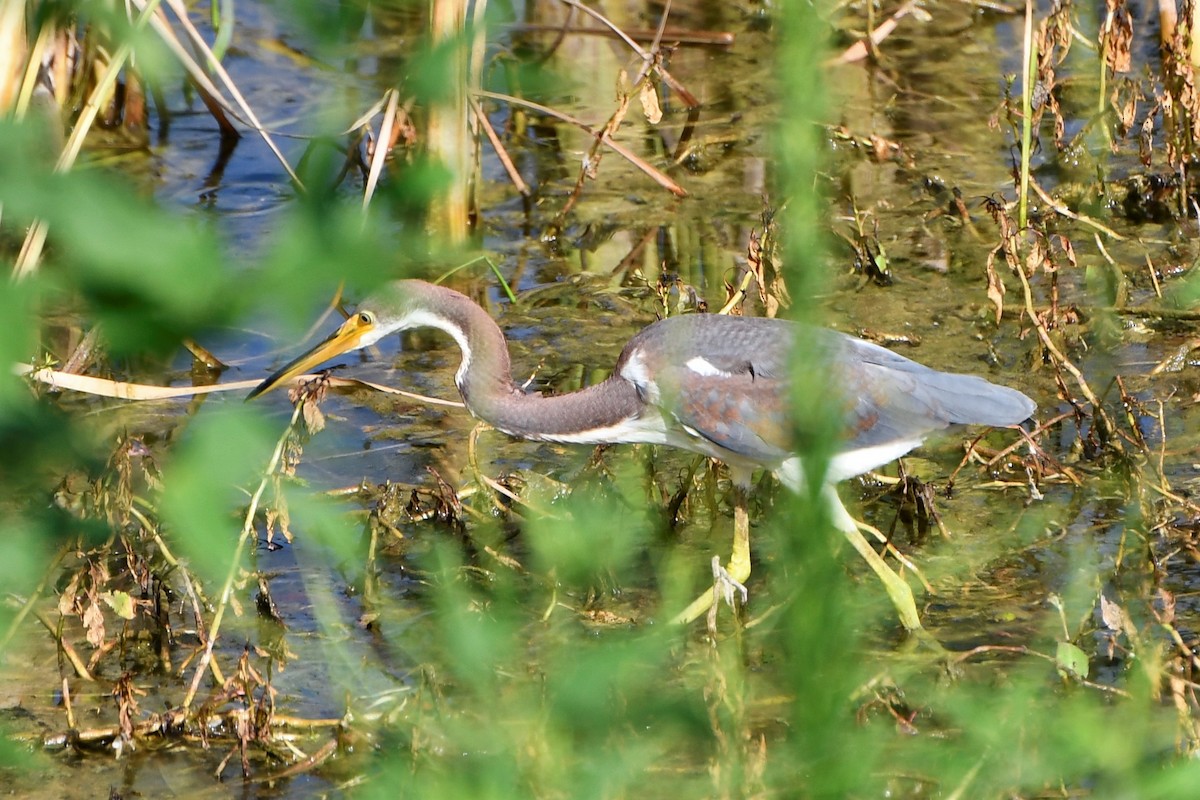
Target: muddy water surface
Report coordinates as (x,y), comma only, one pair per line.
(585,283)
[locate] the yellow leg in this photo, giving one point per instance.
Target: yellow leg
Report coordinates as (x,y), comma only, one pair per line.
(738,568)
(898,590)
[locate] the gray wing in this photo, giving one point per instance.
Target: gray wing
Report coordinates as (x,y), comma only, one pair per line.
(721,378)
(891,398)
(727,379)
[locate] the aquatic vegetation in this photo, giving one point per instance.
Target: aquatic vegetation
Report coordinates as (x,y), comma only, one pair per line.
(363,592)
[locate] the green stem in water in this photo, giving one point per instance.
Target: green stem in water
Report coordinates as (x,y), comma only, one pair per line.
(1027,70)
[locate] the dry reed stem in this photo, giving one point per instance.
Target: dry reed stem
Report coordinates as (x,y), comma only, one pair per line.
(859,50)
(655,174)
(33,65)
(149,13)
(101,91)
(1061,210)
(447,139)
(31,250)
(612,26)
(184,573)
(103,387)
(379,155)
(1098,412)
(1057,354)
(163,28)
(12,52)
(498,147)
(649,62)
(83,352)
(73,658)
(365,119)
(27,606)
(656,43)
(35,241)
(478,45)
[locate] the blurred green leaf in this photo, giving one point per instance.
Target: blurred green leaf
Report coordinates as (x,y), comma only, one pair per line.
(598,540)
(18,338)
(149,277)
(314,250)
(207,481)
(330,24)
(25,548)
(120,602)
(1184,293)
(477,631)
(41,444)
(430,72)
(321,521)
(1070,661)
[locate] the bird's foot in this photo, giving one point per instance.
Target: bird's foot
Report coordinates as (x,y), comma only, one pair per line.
(726,587)
(728,581)
(728,584)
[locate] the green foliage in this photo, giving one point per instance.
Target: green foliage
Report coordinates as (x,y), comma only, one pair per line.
(509,689)
(330,24)
(149,277)
(205,484)
(544,707)
(313,250)
(1186,293)
(16,341)
(26,550)
(323,523)
(426,74)
(601,536)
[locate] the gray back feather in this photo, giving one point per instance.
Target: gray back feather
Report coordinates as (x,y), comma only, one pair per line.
(743,405)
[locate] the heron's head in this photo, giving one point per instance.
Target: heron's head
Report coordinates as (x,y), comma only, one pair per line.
(394,307)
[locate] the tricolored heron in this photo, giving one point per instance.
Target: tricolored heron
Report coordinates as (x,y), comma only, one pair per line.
(705,383)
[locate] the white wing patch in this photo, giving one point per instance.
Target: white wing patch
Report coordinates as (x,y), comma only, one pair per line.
(856,462)
(845,465)
(702,366)
(791,474)
(635,371)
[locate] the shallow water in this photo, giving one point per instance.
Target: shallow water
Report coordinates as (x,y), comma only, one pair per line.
(932,94)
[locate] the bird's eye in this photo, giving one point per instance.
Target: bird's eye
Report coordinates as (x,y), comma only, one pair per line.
(366,318)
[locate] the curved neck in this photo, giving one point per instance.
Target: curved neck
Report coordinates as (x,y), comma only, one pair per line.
(484,380)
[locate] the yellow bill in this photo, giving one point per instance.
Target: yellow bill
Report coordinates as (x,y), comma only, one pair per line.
(346,338)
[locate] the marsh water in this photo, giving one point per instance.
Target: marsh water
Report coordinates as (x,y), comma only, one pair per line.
(585,282)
